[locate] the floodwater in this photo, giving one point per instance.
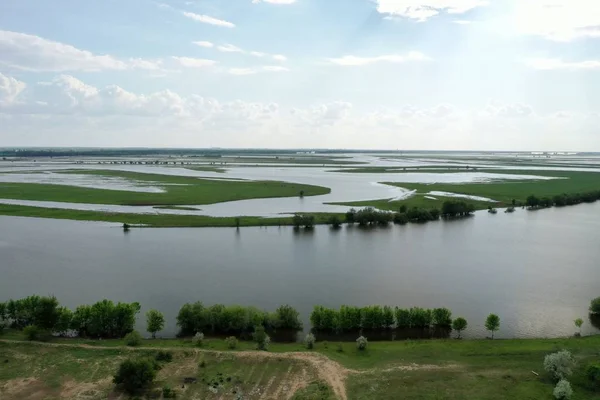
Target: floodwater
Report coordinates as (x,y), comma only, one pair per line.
(538,270)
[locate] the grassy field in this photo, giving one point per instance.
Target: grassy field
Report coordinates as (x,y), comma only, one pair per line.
(150,220)
(502,191)
(179,190)
(427,369)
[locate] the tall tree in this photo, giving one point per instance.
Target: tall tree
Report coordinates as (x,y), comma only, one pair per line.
(155,321)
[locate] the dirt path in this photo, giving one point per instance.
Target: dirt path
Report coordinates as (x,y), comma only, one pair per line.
(328,370)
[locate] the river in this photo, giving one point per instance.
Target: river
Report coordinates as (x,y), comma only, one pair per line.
(538,270)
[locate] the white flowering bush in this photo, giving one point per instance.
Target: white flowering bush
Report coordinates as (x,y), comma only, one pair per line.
(560,364)
(361,343)
(563,390)
(198,339)
(309,341)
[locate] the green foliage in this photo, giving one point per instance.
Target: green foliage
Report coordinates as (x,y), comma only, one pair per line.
(33,332)
(334,221)
(371,216)
(33,310)
(492,323)
(593,374)
(168,393)
(350,216)
(232,342)
(191,318)
(135,375)
(595,306)
(163,356)
(309,341)
(442,317)
(307,221)
(456,208)
(403,317)
(400,218)
(287,317)
(388,317)
(417,214)
(559,365)
(361,343)
(133,339)
(105,319)
(155,321)
(578,323)
(420,317)
(65,316)
(372,317)
(261,338)
(563,390)
(532,201)
(459,325)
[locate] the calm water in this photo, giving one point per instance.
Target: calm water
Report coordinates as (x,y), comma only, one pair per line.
(537,270)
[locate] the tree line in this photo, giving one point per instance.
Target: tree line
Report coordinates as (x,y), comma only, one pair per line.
(533,202)
(234,319)
(351,318)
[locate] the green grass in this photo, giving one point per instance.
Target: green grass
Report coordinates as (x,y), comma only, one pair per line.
(179,190)
(150,220)
(426,369)
(501,190)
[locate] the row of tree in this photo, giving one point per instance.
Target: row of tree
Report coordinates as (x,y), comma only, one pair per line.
(350,318)
(562,200)
(103,319)
(221,319)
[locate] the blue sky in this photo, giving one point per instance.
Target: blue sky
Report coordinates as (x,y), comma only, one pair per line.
(413,74)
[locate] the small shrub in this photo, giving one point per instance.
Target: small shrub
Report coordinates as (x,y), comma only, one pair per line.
(325,344)
(133,339)
(361,343)
(134,375)
(563,390)
(232,342)
(164,356)
(559,364)
(339,348)
(261,338)
(309,341)
(198,339)
(32,332)
(593,374)
(168,393)
(202,364)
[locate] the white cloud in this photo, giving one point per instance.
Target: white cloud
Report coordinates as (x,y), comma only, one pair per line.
(558,64)
(10,88)
(202,43)
(34,53)
(256,70)
(422,10)
(205,19)
(559,20)
(279,57)
(229,48)
(392,58)
(274,1)
(194,62)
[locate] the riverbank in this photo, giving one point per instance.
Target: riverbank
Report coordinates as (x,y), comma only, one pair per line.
(449,369)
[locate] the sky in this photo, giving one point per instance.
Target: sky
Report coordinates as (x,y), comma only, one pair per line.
(359,74)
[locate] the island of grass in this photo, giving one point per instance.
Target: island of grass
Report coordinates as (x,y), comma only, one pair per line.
(178,190)
(431,369)
(502,192)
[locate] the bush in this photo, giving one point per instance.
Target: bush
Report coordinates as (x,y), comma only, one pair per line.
(134,375)
(563,390)
(334,221)
(133,339)
(232,342)
(261,338)
(168,393)
(595,306)
(559,364)
(361,343)
(198,339)
(339,348)
(593,374)
(32,332)
(400,218)
(164,356)
(309,341)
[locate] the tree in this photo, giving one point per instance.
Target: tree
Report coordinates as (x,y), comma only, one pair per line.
(578,322)
(287,317)
(563,390)
(595,306)
(388,317)
(134,375)
(334,221)
(155,322)
(559,364)
(532,201)
(492,323)
(64,321)
(261,338)
(442,317)
(593,374)
(459,325)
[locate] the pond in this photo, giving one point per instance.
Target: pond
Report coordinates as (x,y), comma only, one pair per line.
(538,270)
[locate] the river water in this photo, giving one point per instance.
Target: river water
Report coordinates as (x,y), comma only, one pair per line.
(538,270)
